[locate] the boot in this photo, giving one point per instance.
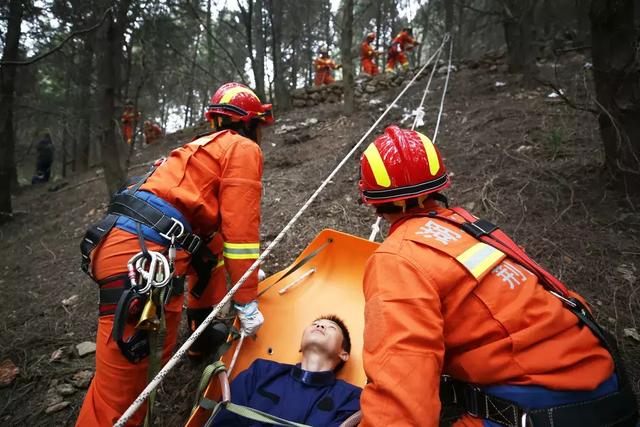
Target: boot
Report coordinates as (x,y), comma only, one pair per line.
(211,339)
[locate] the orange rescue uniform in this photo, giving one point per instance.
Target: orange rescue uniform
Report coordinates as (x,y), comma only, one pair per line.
(437,301)
(152,132)
(402,42)
(367,58)
(324,71)
(128,119)
(215,182)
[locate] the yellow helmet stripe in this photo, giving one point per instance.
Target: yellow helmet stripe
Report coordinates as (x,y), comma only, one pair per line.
(377,166)
(432,155)
(228,95)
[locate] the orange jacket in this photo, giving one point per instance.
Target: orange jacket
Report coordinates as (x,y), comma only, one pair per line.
(367,51)
(128,115)
(153,130)
(403,40)
(436,302)
(215,182)
(325,64)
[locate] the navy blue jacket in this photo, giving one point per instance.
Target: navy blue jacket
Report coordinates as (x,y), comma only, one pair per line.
(287,391)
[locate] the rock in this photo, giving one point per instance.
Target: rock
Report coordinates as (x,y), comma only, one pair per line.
(370,88)
(332,98)
(85,348)
(493,68)
(311,103)
(316,96)
(82,379)
(57,407)
(65,389)
(612,320)
(8,372)
(57,355)
(73,299)
(299,103)
(632,333)
(470,206)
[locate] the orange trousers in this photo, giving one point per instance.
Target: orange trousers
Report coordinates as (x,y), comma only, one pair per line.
(127,132)
(399,57)
(369,66)
(117,382)
(324,78)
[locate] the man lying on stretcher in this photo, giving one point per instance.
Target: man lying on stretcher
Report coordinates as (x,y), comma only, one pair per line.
(308,392)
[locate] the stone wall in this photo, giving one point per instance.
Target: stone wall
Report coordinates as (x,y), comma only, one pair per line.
(366,86)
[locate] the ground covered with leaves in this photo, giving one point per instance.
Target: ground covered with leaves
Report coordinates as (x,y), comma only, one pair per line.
(518,157)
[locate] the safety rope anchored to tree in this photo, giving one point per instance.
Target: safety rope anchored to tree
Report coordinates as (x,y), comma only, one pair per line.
(137,403)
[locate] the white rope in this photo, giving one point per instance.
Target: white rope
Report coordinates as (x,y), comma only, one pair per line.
(444,92)
(375,228)
(137,403)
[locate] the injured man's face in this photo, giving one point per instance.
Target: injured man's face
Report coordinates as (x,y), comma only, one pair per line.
(327,336)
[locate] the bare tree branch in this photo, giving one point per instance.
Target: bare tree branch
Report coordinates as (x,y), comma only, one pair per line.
(62,43)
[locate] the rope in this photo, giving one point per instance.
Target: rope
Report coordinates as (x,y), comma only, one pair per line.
(183,349)
(375,228)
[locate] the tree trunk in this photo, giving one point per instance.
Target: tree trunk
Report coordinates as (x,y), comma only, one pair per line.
(448,16)
(281,90)
(616,72)
(258,71)
(7,89)
(109,46)
(518,30)
(347,55)
(582,21)
(83,111)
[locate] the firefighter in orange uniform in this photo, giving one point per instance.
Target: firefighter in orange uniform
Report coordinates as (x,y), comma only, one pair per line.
(208,190)
(152,131)
(128,120)
(324,68)
(439,301)
(399,45)
(368,55)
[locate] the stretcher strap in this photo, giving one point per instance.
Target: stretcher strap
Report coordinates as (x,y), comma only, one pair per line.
(246,412)
(298,265)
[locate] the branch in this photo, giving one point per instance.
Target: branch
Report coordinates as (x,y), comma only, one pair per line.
(562,96)
(479,11)
(37,58)
(182,55)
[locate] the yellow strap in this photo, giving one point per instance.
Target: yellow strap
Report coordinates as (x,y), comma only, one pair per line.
(241,250)
(377,166)
(480,258)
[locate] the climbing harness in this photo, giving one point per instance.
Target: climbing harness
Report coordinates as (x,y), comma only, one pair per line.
(183,349)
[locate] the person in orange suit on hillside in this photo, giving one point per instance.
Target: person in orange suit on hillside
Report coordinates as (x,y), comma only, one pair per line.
(399,45)
(324,68)
(128,120)
(203,204)
(152,132)
(368,55)
(440,300)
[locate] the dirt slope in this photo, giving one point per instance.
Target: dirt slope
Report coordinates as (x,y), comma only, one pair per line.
(531,165)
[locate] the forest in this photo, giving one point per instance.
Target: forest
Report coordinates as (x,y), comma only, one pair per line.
(538,109)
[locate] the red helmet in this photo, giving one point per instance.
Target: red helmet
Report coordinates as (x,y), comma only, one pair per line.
(237,101)
(399,165)
(371,37)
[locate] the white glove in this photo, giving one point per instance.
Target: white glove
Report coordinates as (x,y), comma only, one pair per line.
(250,317)
(261,275)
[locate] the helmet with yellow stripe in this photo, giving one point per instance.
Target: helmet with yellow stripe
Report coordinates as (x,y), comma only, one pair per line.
(238,102)
(401,164)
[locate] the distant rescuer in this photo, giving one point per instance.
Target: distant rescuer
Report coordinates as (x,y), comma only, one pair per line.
(307,392)
(447,293)
(210,187)
(152,131)
(324,68)
(399,45)
(128,119)
(45,151)
(368,55)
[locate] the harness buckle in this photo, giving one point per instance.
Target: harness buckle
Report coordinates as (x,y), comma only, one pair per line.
(171,232)
(471,398)
(479,228)
(192,245)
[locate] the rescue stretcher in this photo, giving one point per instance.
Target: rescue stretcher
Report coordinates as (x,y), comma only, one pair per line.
(326,278)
